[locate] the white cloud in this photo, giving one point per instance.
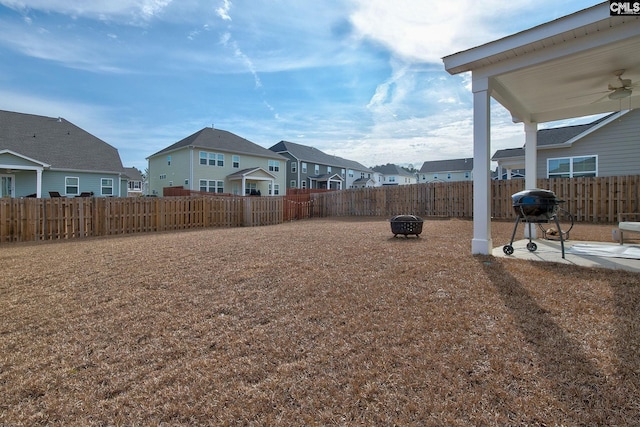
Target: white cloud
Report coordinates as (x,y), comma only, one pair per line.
(134,11)
(223,11)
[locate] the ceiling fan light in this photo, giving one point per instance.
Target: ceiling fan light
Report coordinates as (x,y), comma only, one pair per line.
(620,93)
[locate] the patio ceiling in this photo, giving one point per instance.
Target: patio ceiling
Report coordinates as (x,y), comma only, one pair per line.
(561,69)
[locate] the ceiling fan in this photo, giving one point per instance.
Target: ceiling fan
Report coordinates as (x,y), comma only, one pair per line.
(622,88)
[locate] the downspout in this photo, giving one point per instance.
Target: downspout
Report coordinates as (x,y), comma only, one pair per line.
(191,168)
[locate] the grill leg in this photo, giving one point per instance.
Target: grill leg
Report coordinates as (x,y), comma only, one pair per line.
(515,228)
(555,217)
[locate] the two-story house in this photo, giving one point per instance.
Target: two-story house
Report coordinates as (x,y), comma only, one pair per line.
(395,175)
(49,156)
(217,161)
(446,170)
(308,167)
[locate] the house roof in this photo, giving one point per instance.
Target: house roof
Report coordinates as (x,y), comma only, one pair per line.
(310,154)
(451,165)
(220,140)
(391,169)
(556,136)
(134,174)
(56,142)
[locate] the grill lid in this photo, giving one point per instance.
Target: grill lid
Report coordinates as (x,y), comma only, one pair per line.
(535,205)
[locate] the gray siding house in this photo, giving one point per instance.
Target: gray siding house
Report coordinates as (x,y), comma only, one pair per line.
(308,167)
(43,156)
(609,146)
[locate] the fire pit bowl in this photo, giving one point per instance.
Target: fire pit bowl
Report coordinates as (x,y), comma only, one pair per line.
(406,224)
(535,205)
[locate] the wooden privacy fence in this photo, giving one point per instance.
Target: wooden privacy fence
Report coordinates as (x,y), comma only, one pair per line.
(597,200)
(31,219)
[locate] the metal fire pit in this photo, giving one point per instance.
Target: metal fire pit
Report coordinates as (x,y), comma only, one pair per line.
(534,207)
(406,224)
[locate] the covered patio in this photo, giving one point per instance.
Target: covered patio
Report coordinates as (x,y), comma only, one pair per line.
(583,64)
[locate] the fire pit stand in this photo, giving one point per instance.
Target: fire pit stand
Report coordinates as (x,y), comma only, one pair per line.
(534,207)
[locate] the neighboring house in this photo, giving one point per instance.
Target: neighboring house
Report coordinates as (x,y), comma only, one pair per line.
(308,167)
(217,161)
(136,182)
(39,155)
(446,170)
(608,146)
(395,175)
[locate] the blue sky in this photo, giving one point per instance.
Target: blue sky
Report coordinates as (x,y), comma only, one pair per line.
(361,79)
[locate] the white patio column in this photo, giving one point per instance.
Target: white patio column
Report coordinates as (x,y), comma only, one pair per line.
(481,243)
(244,183)
(509,176)
(530,165)
(530,155)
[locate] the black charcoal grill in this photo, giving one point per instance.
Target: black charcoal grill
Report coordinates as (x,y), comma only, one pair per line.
(535,206)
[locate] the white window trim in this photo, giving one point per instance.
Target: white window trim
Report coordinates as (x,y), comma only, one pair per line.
(570,158)
(77,178)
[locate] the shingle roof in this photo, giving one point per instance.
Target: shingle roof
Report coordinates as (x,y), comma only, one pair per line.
(309,154)
(391,169)
(221,140)
(451,165)
(134,174)
(56,142)
(551,136)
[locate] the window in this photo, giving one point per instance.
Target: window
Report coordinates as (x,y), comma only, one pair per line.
(220,159)
(448,176)
(211,186)
(435,176)
(342,173)
(328,169)
(274,166)
(292,183)
(294,167)
(106,186)
(304,167)
(392,179)
(466,175)
(350,173)
(249,188)
(236,161)
(572,167)
(163,176)
(186,182)
(72,185)
(316,169)
(135,185)
(168,160)
(203,158)
(303,184)
(276,189)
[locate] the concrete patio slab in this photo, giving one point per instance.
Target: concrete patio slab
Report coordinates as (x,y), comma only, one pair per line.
(550,251)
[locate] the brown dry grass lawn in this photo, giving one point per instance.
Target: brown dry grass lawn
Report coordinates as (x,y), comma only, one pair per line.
(317,322)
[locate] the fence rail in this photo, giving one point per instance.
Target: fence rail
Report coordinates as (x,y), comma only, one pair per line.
(597,200)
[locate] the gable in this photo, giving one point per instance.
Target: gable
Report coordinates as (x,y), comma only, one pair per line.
(14,160)
(56,142)
(211,139)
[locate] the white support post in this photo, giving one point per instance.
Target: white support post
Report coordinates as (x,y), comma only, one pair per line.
(530,165)
(481,243)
